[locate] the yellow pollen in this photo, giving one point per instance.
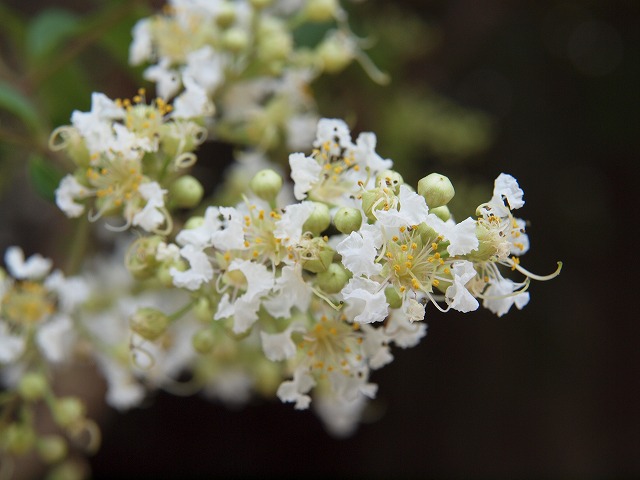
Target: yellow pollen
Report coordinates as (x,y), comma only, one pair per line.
(394,238)
(357,169)
(408,264)
(436,255)
(404,248)
(246,243)
(434,246)
(447,271)
(396,268)
(403,229)
(388,255)
(255,253)
(414,245)
(436,282)
(409,257)
(415,284)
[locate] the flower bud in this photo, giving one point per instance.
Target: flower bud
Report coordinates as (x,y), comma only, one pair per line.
(33,386)
(194,222)
(427,234)
(389,179)
(393,297)
(319,220)
(266,184)
(347,220)
(68,470)
(442,212)
(334,54)
(319,256)
(259,4)
(140,259)
(203,341)
(68,411)
(202,310)
(436,189)
(321,10)
(52,448)
(333,279)
(226,15)
(19,439)
(186,192)
(149,323)
(275,45)
(235,39)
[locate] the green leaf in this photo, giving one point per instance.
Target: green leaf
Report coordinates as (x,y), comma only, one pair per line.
(19,105)
(45,177)
(47,32)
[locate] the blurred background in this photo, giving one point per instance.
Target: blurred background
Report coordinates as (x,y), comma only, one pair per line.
(544,90)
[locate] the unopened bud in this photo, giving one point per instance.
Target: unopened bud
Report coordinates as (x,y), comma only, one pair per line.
(52,448)
(321,10)
(235,39)
(442,212)
(149,323)
(319,220)
(33,386)
(334,278)
(317,258)
(266,184)
(19,439)
(203,341)
(347,220)
(226,15)
(186,192)
(436,189)
(259,4)
(393,297)
(335,53)
(140,259)
(68,411)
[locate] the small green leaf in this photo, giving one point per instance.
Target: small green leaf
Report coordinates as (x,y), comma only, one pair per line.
(45,177)
(48,30)
(16,103)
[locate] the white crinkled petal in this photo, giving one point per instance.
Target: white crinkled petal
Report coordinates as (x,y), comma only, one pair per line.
(67,192)
(457,295)
(404,332)
(499,297)
(55,337)
(206,67)
(505,186)
(279,346)
(359,251)
(34,268)
(295,390)
(305,172)
(289,227)
(150,218)
(167,80)
(200,272)
(141,47)
(11,346)
(291,290)
(193,102)
(365,152)
(71,291)
(231,236)
(365,301)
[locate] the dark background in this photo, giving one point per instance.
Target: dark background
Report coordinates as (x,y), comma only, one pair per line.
(547,392)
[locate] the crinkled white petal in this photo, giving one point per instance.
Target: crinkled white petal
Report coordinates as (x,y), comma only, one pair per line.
(291,290)
(141,47)
(505,186)
(71,291)
(279,346)
(55,337)
(360,249)
(334,131)
(365,301)
(499,296)
(305,172)
(206,67)
(295,390)
(150,218)
(11,346)
(193,102)
(403,331)
(67,192)
(461,236)
(365,153)
(200,270)
(231,235)
(167,79)
(289,227)
(413,210)
(34,268)
(457,295)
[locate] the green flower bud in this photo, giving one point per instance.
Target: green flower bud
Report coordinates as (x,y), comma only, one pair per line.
(334,278)
(203,341)
(436,189)
(319,220)
(320,256)
(275,45)
(33,386)
(202,310)
(334,54)
(52,448)
(235,39)
(260,4)
(347,220)
(226,15)
(393,297)
(194,222)
(389,179)
(321,10)
(442,212)
(186,192)
(268,377)
(369,199)
(427,234)
(68,411)
(266,184)
(68,470)
(19,439)
(163,273)
(149,323)
(140,259)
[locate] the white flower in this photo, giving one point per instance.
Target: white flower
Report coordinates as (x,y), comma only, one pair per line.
(305,171)
(413,210)
(200,272)
(403,331)
(123,390)
(359,251)
(141,48)
(376,346)
(259,282)
(150,218)
(167,79)
(34,268)
(365,153)
(333,132)
(67,192)
(502,294)
(461,236)
(167,252)
(71,291)
(457,295)
(340,416)
(295,390)
(365,300)
(206,67)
